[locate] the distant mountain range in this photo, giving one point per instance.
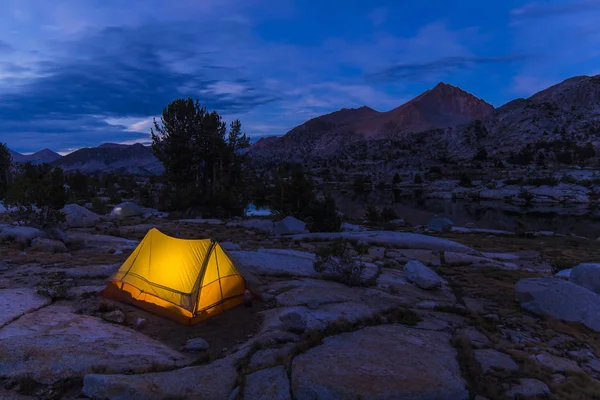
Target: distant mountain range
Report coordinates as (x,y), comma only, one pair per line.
(40,157)
(108,157)
(446,121)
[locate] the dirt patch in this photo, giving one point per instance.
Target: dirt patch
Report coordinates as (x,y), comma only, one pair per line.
(223,332)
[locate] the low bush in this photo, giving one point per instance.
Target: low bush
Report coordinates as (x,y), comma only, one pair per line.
(337,262)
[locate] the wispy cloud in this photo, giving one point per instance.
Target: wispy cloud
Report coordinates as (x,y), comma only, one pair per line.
(435,68)
(378,16)
(536,10)
(5,47)
(527,85)
(563,35)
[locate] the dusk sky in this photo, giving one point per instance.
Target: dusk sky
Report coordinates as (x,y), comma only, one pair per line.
(78,73)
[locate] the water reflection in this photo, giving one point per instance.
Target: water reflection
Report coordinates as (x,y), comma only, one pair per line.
(416,210)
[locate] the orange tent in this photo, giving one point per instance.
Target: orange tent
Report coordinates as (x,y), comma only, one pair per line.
(184,280)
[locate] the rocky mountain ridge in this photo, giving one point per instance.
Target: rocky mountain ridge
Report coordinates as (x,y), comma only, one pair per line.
(448,123)
(442,106)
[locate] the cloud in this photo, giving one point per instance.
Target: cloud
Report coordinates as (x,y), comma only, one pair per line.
(564,36)
(117,73)
(537,10)
(527,85)
(5,47)
(432,70)
(378,16)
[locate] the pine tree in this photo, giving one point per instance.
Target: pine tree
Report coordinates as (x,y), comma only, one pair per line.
(203,162)
(5,164)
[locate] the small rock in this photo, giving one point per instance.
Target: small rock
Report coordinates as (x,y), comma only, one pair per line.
(474,305)
(528,388)
(140,323)
(126,209)
(440,224)
(423,276)
(564,274)
(289,226)
(115,316)
(581,355)
(118,252)
(3,266)
(490,358)
(293,322)
(48,245)
(557,364)
(197,344)
(586,275)
(477,339)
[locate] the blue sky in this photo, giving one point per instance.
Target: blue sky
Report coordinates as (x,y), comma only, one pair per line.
(77,73)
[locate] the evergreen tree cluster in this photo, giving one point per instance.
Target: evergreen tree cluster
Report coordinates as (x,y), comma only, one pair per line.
(202,159)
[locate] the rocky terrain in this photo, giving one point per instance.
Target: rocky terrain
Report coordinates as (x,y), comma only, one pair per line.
(550,134)
(455,315)
(568,110)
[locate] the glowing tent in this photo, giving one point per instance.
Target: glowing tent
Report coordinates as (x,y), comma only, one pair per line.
(185,280)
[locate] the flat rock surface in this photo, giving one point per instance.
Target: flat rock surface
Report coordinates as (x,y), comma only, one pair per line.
(17,302)
(268,384)
(213,381)
(402,240)
(416,364)
(271,263)
(54,343)
(102,242)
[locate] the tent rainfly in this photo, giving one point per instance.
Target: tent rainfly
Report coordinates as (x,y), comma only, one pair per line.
(184,280)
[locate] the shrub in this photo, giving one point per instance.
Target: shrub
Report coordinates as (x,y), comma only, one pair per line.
(396,180)
(418,179)
(526,196)
(372,214)
(565,157)
(481,155)
(324,216)
(465,181)
(388,214)
(337,263)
